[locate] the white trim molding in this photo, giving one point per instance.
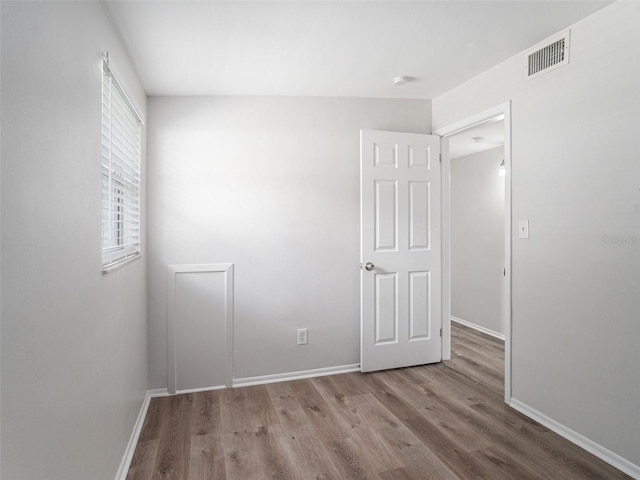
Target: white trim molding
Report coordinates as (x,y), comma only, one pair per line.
(587,444)
(158,392)
(172,366)
(198,390)
(125,463)
(285,377)
(479,328)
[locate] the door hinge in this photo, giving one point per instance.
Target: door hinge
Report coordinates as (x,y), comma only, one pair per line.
(440,331)
(440,157)
(504,272)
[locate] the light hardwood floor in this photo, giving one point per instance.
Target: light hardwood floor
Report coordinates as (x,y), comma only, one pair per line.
(442,421)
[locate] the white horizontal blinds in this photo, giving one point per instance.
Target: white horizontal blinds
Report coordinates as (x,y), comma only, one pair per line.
(121,153)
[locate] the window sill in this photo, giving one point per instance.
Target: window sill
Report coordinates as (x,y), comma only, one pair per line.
(110,267)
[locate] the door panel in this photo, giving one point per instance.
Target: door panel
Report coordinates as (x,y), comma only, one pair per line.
(400,236)
(385,215)
(200,326)
(200,316)
(419,215)
(386,314)
(419,308)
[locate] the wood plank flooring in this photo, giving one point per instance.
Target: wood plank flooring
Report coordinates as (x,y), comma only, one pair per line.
(442,421)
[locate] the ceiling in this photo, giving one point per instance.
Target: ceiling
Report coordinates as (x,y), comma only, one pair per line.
(490,133)
(330,48)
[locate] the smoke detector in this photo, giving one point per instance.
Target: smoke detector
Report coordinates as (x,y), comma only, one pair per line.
(398,81)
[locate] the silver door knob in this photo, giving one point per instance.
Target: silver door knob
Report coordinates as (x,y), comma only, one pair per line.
(369,266)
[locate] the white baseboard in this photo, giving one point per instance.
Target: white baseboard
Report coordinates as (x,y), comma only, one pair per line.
(135,434)
(284,377)
(196,390)
(158,392)
(133,440)
(488,331)
(590,446)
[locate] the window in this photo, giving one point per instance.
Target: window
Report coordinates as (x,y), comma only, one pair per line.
(121,158)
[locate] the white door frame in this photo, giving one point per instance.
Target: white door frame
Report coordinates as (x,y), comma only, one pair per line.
(445,132)
(172,359)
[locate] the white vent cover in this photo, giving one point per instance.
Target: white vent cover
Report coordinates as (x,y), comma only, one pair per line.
(548,55)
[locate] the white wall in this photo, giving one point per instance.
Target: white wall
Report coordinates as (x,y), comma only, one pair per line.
(74,362)
(576,177)
(271,185)
(477,239)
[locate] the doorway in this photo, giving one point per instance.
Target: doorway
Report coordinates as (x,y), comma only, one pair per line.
(477,227)
(476,156)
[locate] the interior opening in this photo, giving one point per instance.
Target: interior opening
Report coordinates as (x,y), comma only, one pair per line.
(477,173)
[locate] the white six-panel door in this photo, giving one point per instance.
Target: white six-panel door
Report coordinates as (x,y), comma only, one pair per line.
(400,250)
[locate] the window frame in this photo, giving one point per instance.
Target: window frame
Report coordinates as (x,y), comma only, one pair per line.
(121,172)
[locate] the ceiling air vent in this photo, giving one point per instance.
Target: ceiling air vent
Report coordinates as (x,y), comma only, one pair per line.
(548,55)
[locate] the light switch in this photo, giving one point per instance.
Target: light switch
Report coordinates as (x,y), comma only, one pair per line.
(523,229)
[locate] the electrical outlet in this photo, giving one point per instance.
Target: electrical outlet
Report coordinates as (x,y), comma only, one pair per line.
(303,338)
